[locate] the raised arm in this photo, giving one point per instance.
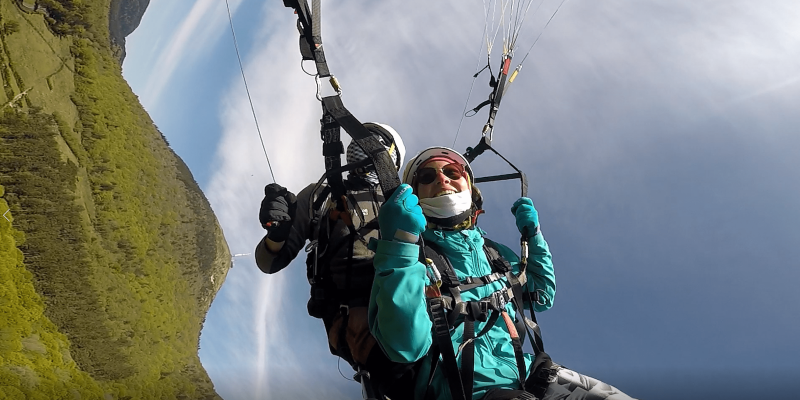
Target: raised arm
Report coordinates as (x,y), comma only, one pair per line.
(540,273)
(282,244)
(398,315)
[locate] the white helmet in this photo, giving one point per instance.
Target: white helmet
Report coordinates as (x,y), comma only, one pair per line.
(391,140)
(431,152)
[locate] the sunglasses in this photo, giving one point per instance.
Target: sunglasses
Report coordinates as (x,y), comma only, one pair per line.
(427,175)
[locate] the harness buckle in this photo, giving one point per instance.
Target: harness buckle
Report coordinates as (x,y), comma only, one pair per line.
(501,300)
(479,310)
(549,375)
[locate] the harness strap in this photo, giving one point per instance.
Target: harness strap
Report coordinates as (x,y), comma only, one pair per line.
(467,349)
(495,301)
(471,283)
(517,343)
(518,286)
(334,114)
(441,333)
(479,310)
(332,149)
(543,372)
(384,166)
(468,356)
(434,364)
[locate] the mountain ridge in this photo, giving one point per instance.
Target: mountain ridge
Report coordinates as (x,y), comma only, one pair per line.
(110,254)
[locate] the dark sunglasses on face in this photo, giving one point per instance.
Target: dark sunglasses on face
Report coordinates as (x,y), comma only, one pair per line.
(427,175)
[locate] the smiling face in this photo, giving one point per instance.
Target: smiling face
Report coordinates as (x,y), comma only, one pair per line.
(442,184)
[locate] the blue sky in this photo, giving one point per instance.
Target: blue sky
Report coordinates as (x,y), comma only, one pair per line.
(660,139)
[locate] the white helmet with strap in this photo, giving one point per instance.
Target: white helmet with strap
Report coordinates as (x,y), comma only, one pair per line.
(391,139)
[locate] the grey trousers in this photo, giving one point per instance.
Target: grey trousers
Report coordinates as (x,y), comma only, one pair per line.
(570,385)
(566,385)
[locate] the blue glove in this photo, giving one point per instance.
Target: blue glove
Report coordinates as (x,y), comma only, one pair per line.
(527,216)
(400,217)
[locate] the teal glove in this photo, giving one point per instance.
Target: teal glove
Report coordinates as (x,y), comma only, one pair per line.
(400,217)
(527,216)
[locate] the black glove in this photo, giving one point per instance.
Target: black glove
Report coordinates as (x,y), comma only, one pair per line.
(279,205)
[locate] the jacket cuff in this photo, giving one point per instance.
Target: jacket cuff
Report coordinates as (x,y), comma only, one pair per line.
(394,249)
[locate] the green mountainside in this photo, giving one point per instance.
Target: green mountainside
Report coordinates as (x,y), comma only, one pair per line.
(110,254)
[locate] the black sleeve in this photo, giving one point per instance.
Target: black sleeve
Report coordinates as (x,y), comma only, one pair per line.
(269,262)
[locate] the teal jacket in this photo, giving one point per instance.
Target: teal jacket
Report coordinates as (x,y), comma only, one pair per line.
(399,319)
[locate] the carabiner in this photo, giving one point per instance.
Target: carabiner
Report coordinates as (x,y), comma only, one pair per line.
(334,84)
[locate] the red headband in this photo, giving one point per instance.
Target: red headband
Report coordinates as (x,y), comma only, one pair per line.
(438,158)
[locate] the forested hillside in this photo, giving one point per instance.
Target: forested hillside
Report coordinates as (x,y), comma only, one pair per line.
(110,254)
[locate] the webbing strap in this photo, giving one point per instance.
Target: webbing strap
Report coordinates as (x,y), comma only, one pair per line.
(519,286)
(537,342)
(473,310)
(384,166)
(442,335)
(536,337)
(517,344)
(468,355)
(471,283)
(332,149)
(309,26)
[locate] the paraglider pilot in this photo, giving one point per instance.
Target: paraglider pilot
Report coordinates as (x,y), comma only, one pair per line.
(439,204)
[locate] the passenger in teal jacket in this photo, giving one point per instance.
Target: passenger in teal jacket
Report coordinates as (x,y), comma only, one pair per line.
(438,202)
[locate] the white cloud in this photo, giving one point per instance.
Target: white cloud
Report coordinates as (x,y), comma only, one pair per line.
(203,25)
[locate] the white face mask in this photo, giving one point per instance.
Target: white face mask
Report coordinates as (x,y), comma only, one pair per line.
(446,206)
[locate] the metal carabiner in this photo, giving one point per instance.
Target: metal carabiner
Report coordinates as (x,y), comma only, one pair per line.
(334,84)
(433,274)
(319,87)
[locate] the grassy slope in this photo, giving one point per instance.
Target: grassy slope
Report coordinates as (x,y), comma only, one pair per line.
(124,285)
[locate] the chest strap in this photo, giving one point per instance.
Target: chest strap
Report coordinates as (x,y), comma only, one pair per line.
(488,310)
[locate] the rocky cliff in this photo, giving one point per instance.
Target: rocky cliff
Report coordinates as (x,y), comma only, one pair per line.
(123,18)
(110,254)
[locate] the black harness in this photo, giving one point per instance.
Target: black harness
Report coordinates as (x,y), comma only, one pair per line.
(334,117)
(334,113)
(326,296)
(447,311)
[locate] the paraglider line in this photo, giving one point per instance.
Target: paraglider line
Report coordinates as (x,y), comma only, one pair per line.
(238,57)
(471,86)
(540,33)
